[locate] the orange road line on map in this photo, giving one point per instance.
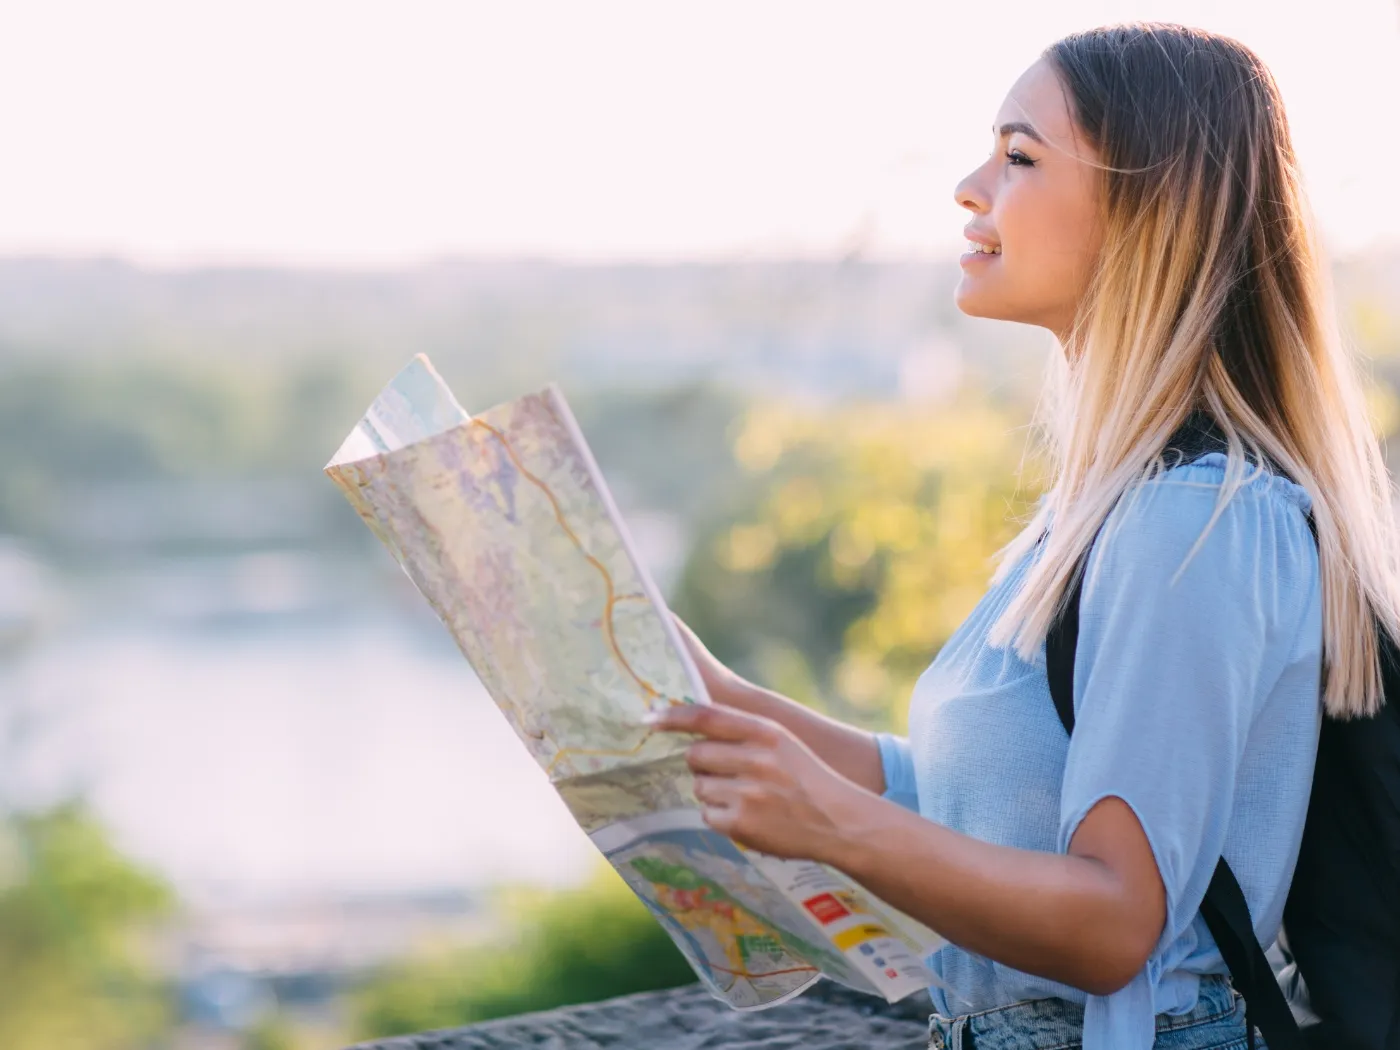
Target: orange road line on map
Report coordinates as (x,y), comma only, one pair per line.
(650,690)
(612,596)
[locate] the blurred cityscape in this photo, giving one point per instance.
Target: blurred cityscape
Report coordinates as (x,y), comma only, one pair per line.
(251,796)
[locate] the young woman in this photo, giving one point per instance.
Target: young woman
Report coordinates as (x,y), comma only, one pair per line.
(1141,202)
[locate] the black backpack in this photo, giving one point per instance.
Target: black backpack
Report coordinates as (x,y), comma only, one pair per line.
(1342,917)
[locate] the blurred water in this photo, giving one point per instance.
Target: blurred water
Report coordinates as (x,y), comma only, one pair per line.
(275,725)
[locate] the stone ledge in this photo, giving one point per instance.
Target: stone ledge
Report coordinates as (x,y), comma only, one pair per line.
(825,1017)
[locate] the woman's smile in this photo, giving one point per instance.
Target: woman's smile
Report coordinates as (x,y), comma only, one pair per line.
(979,251)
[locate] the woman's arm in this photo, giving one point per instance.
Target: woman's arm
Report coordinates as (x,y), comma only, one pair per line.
(1089,918)
(850,751)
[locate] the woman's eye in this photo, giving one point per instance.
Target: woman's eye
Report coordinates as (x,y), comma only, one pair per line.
(1016,157)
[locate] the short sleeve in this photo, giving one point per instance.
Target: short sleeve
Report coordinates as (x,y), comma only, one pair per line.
(1175,658)
(898,763)
(1174,661)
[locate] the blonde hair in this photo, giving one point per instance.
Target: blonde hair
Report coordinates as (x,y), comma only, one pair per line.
(1209,294)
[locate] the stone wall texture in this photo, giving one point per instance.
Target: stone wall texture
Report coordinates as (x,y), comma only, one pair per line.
(826,1017)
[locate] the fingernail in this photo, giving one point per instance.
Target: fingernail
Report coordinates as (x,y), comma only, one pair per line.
(652,718)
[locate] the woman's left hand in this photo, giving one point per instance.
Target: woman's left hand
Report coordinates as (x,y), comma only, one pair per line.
(760,785)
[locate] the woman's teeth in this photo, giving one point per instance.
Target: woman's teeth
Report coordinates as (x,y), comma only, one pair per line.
(985,249)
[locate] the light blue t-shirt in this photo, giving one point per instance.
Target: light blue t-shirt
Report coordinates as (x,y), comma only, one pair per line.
(1196,701)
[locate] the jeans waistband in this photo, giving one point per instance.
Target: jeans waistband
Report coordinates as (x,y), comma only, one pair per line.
(1051,1024)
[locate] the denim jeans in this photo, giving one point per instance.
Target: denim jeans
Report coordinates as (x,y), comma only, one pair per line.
(1216,1023)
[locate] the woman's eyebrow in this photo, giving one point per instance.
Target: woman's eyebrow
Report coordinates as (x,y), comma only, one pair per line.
(1022,127)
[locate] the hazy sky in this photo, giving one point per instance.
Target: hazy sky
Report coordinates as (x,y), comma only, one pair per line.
(355,134)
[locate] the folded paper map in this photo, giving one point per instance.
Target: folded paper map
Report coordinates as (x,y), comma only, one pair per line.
(505,525)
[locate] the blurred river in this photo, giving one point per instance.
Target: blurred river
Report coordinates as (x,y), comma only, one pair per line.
(268,725)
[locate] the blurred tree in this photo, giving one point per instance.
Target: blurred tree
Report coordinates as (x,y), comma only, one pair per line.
(577,946)
(70,908)
(1374,326)
(68,434)
(685,465)
(272,1032)
(871,539)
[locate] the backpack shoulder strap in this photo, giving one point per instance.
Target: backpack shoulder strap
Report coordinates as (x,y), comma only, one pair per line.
(1224,909)
(1060,645)
(1226,913)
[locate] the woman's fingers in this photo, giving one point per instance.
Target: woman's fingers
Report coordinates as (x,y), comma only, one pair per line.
(715,722)
(723,759)
(737,764)
(717,792)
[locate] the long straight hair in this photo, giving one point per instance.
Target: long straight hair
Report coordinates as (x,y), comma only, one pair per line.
(1209,294)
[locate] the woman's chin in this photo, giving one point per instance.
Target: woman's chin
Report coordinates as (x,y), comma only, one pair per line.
(974,301)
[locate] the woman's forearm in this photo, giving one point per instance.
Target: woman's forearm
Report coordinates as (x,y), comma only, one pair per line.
(850,751)
(1059,916)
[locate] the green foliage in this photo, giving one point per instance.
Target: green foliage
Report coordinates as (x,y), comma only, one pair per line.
(272,1032)
(671,446)
(70,905)
(871,538)
(150,418)
(64,430)
(577,946)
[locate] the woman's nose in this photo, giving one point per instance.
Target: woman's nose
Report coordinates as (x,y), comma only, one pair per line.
(970,195)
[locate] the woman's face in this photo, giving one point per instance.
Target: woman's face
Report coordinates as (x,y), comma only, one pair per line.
(1034,202)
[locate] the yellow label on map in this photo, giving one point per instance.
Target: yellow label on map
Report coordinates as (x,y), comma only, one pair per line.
(866,931)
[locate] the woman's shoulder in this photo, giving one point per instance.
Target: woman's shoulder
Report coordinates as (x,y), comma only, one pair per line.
(1243,572)
(1183,504)
(1260,483)
(1177,518)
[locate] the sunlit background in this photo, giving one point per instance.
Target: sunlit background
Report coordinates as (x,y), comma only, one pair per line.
(250,794)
